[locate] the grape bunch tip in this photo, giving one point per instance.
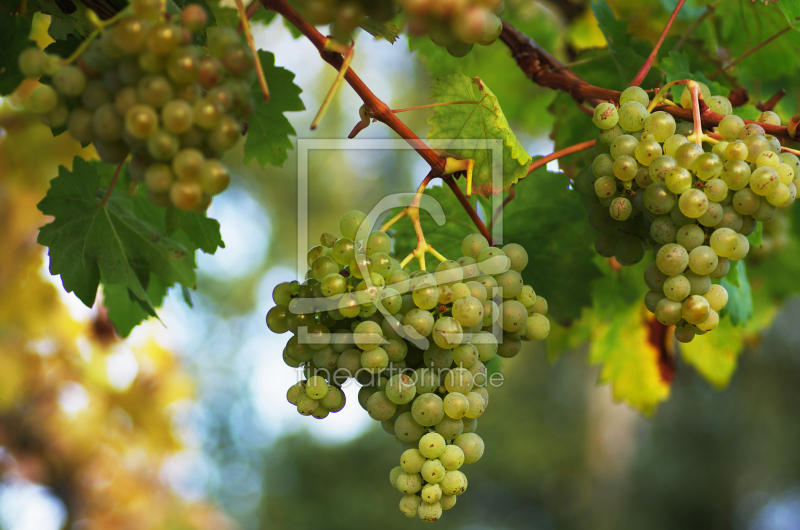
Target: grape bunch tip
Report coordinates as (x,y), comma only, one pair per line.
(417,343)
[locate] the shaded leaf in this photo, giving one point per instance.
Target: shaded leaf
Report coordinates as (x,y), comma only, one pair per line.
(384,30)
(676,67)
(202,230)
(127,311)
(756,238)
(14,31)
(561,259)
(746,112)
(87,239)
(268,130)
(476,123)
(740,300)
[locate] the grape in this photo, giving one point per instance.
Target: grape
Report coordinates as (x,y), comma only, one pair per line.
(518,256)
(672,144)
(741,249)
(720,105)
(678,180)
(647,151)
(716,190)
(717,297)
(409,483)
(686,154)
(745,201)
(428,409)
(412,460)
(456,405)
(477,405)
(409,504)
(162,145)
(703,260)
(447,333)
(431,493)
(769,117)
(624,145)
(658,199)
(729,127)
(765,210)
(756,144)
(625,169)
(605,115)
(79,125)
(459,48)
(407,429)
(430,512)
(380,407)
(677,287)
(668,312)
(31,62)
(712,216)
(95,94)
(214,177)
(69,81)
(693,203)
(400,389)
(764,181)
(432,445)
(654,278)
(663,230)
(672,259)
(684,333)
(661,124)
(43,99)
(537,327)
(158,178)
(695,309)
(707,166)
(141,121)
(632,116)
(472,446)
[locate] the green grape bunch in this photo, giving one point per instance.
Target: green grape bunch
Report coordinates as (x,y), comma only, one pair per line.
(418,344)
(648,186)
(143,89)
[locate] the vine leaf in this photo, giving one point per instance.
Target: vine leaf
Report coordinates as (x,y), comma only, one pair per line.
(268,130)
(631,362)
(560,262)
(714,355)
(628,53)
(202,230)
(757,237)
(476,123)
(125,310)
(676,67)
(14,33)
(747,112)
(383,30)
(71,21)
(87,240)
(740,299)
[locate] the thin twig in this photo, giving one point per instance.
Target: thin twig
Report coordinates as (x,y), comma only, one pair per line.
(751,51)
(710,8)
(771,102)
(244,20)
(378,109)
(560,153)
(332,45)
(436,105)
(249,12)
(111,186)
(649,62)
(468,207)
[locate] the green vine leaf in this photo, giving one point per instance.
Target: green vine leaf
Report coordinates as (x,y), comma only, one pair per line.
(676,67)
(14,31)
(125,310)
(383,30)
(476,122)
(87,239)
(268,130)
(740,299)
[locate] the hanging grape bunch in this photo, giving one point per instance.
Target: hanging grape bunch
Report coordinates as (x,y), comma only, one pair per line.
(142,88)
(457,26)
(344,16)
(648,185)
(417,343)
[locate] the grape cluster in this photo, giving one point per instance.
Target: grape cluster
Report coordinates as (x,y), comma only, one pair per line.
(417,343)
(456,25)
(344,16)
(647,186)
(143,88)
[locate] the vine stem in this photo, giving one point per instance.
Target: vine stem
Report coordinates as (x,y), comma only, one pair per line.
(771,102)
(377,109)
(244,22)
(560,153)
(99,25)
(751,51)
(111,186)
(650,58)
(468,207)
(540,67)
